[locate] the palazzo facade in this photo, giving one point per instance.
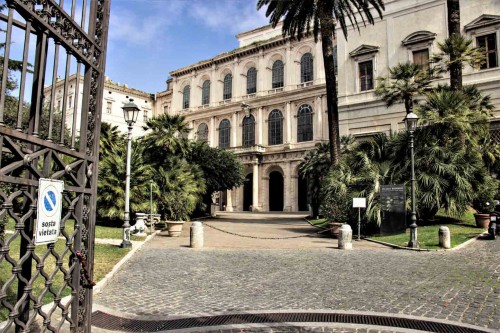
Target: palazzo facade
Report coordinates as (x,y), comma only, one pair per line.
(266,100)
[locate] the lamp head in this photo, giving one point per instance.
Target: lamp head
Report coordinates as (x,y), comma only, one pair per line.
(130,112)
(411,122)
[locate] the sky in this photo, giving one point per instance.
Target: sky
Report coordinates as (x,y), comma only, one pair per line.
(149,38)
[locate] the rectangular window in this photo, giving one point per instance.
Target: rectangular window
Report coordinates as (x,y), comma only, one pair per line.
(108,108)
(59,105)
(366,75)
(70,102)
(421,57)
(489,44)
(145,115)
(165,109)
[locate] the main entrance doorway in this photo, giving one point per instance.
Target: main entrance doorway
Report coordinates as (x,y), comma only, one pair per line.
(276,191)
(247,192)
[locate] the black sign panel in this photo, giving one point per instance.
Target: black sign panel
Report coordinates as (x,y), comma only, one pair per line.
(393,206)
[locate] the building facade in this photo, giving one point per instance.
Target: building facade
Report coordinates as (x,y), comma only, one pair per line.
(266,100)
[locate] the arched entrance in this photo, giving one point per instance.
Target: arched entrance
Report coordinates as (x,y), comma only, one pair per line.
(276,191)
(302,196)
(247,192)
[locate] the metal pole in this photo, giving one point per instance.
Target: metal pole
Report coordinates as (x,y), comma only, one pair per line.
(413,218)
(151,205)
(359,223)
(126,221)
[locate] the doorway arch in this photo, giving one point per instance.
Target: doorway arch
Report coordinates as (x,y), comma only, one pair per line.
(248,192)
(276,184)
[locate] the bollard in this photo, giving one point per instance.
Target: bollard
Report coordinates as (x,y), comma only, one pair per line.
(444,237)
(196,235)
(345,237)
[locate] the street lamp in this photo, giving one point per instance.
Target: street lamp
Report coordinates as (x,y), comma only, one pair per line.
(411,124)
(130,113)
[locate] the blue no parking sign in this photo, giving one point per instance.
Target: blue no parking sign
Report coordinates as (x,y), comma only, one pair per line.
(49,210)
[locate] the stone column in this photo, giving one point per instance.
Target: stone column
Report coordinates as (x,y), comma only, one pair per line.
(318,123)
(255,186)
(212,132)
(289,68)
(260,126)
(288,188)
(295,192)
(229,201)
(288,120)
(234,130)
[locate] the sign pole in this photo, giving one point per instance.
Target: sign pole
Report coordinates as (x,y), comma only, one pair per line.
(359,203)
(359,223)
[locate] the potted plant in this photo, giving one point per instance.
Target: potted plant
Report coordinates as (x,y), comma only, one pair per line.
(176,213)
(483,202)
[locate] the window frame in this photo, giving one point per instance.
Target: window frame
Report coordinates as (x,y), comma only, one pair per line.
(227,89)
(109,107)
(495,40)
(186,97)
(305,123)
(359,76)
(252,81)
(224,134)
(275,128)
(278,74)
(248,131)
(306,68)
(205,92)
(202,133)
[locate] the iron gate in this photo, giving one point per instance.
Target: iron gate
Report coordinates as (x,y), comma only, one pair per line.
(52,76)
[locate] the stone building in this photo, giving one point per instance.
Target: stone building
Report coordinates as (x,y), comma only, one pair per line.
(266,100)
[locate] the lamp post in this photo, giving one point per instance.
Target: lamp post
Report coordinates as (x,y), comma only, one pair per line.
(411,124)
(151,205)
(130,113)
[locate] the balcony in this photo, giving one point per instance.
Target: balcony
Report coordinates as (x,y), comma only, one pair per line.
(226,101)
(255,149)
(249,96)
(305,84)
(275,91)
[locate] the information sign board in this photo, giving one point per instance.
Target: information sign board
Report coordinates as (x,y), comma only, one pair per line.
(48,211)
(359,202)
(393,206)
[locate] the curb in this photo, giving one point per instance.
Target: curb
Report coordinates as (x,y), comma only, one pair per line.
(458,247)
(101,284)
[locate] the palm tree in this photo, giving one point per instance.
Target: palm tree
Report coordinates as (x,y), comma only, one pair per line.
(299,16)
(167,136)
(110,138)
(405,81)
(455,52)
(453,7)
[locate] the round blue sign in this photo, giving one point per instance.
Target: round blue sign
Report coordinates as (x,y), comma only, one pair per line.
(49,201)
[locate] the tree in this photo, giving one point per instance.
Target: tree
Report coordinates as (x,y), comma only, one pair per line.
(167,136)
(111,182)
(405,81)
(454,53)
(110,139)
(322,15)
(453,7)
(221,168)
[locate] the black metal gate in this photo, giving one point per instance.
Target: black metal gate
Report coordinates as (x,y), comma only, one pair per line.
(52,75)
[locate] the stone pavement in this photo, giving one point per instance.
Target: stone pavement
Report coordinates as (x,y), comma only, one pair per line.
(165,278)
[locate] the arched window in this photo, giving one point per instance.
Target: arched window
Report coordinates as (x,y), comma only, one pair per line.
(205,93)
(228,86)
(306,68)
(248,131)
(275,123)
(304,123)
(252,81)
(185,97)
(202,134)
(224,133)
(278,80)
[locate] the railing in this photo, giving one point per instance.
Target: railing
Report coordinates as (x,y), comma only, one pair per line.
(274,91)
(305,84)
(249,149)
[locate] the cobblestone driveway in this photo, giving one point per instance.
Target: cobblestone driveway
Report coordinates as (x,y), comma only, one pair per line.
(461,285)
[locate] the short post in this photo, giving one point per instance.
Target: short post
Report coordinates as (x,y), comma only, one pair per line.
(444,237)
(345,237)
(196,235)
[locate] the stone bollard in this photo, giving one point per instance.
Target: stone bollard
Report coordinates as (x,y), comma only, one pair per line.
(196,235)
(345,237)
(444,237)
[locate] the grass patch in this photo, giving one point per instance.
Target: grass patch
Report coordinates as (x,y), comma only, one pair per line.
(106,257)
(461,230)
(320,223)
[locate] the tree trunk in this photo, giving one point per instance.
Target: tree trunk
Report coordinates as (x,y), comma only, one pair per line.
(327,24)
(454,29)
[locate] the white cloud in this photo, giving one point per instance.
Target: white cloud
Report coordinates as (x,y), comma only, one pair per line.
(230,15)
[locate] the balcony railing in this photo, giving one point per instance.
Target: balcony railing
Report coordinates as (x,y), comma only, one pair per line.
(305,84)
(249,149)
(274,91)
